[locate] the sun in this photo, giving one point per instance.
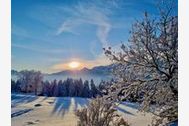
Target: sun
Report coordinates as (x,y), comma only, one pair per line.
(74,65)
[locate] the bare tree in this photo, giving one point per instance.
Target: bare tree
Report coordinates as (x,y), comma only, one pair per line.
(148,64)
(30,81)
(100,112)
(38,77)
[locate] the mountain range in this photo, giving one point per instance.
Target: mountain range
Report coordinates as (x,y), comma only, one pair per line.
(98,70)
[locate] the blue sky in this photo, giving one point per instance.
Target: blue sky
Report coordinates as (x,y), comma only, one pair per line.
(48,34)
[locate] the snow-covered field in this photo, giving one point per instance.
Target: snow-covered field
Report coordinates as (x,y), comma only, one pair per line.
(59,111)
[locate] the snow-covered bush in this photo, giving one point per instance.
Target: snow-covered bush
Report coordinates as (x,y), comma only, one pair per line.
(100,112)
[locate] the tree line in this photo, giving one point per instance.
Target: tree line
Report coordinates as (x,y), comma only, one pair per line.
(32,82)
(70,88)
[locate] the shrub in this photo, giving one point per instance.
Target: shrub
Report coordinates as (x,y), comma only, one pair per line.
(100,112)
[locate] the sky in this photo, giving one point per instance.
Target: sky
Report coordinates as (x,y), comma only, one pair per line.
(49,34)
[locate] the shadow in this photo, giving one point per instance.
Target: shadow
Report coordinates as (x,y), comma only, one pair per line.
(125,111)
(21,98)
(61,106)
(174,123)
(18,113)
(80,102)
(131,105)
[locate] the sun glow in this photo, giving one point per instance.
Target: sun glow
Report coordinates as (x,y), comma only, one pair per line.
(74,65)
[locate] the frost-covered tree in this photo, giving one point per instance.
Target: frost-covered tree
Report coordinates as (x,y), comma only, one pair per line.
(72,89)
(61,88)
(148,65)
(15,86)
(69,87)
(102,87)
(46,91)
(66,83)
(56,89)
(100,112)
(94,90)
(38,77)
(30,81)
(78,87)
(86,90)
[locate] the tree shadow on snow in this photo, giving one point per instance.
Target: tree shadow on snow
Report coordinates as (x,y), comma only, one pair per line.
(80,102)
(125,111)
(19,99)
(18,113)
(131,105)
(63,105)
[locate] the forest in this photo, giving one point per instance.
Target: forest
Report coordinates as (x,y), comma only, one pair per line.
(67,88)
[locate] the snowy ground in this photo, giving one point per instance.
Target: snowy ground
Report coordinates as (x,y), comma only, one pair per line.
(28,110)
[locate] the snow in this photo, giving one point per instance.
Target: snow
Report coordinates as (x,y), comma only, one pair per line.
(54,111)
(59,111)
(135,118)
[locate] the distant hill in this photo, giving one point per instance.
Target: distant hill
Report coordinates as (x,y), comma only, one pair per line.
(97,73)
(98,70)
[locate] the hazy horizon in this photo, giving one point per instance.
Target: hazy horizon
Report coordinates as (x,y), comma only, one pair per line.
(60,70)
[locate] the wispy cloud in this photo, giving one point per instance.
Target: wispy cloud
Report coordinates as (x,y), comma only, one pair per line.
(91,24)
(88,13)
(68,26)
(102,34)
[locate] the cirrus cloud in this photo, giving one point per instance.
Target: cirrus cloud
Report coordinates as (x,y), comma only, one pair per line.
(88,14)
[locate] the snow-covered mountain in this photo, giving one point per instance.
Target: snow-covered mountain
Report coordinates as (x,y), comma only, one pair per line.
(98,70)
(103,70)
(97,73)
